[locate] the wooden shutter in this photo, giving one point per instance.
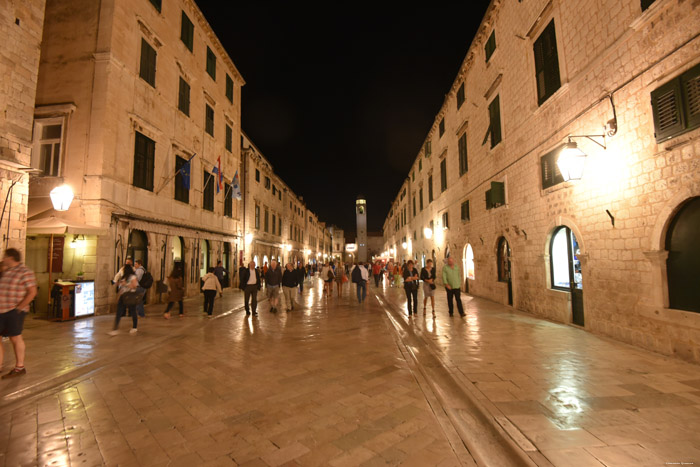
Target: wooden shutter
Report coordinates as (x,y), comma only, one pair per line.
(690,81)
(148,63)
(666,107)
(495,119)
(551,175)
(546,64)
(462,145)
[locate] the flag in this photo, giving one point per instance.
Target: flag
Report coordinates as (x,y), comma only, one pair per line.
(219,175)
(236,187)
(185,171)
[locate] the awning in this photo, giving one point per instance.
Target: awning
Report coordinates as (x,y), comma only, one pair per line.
(53,225)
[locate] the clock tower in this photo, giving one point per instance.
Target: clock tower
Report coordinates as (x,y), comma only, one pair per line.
(361,218)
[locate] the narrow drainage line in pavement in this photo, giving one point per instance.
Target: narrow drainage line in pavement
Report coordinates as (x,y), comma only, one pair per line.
(25,395)
(483,436)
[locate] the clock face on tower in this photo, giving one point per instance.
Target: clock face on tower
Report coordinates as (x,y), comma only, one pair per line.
(361,210)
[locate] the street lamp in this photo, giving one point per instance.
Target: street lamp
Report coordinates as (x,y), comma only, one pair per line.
(289,247)
(428,232)
(248,238)
(61,197)
(571,162)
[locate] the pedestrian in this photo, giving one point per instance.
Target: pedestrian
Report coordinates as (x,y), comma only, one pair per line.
(340,277)
(273,281)
(120,274)
(250,283)
(390,273)
(221,273)
(359,277)
(427,275)
(290,280)
(140,272)
(130,295)
(398,271)
(451,277)
(410,286)
(263,274)
(327,275)
(210,286)
(377,273)
(176,292)
(17,290)
(301,276)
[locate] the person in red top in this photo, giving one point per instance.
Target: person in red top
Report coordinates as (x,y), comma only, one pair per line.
(17,290)
(377,273)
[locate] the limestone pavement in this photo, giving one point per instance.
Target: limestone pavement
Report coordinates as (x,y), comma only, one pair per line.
(335,383)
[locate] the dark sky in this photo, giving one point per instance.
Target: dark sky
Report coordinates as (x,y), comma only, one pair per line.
(340,103)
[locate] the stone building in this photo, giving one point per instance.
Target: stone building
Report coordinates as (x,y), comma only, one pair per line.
(338,247)
(611,250)
(21,27)
(276,222)
(129,91)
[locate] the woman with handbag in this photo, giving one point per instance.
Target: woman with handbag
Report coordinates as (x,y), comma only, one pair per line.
(130,295)
(176,293)
(410,286)
(427,275)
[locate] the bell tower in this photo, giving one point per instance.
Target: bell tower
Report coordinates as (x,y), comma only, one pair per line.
(361,218)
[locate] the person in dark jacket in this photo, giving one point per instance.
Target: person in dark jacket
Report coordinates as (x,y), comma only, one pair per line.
(410,286)
(290,279)
(301,276)
(250,284)
(273,281)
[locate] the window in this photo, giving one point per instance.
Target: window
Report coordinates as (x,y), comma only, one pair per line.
(420,198)
(550,170)
(147,71)
(460,96)
(415,235)
(413,176)
(211,63)
(464,211)
(494,122)
(144,157)
(257,217)
(267,221)
(229,138)
(564,260)
(445,220)
(490,46)
(274,190)
(183,97)
(430,189)
(676,105)
(428,148)
(414,205)
(279,195)
(443,175)
(420,165)
(267,183)
(496,196)
(182,192)
(463,163)
(46,155)
(257,175)
(187,32)
(156,4)
(208,191)
(228,200)
(209,120)
(274,223)
(546,64)
(441,127)
(229,88)
(279,227)
(646,4)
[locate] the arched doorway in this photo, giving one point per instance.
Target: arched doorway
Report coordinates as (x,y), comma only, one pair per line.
(256,260)
(468,266)
(204,257)
(683,261)
(137,247)
(565,267)
(226,260)
(504,273)
(178,251)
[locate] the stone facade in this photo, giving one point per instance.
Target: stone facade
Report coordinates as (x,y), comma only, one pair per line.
(612,58)
(21,27)
(276,221)
(135,85)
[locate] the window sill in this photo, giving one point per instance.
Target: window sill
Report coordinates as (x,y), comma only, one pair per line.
(653,12)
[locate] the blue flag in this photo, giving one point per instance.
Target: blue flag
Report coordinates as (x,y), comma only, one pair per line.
(185,171)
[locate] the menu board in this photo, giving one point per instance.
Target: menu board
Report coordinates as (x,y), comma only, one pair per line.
(84,298)
(57,263)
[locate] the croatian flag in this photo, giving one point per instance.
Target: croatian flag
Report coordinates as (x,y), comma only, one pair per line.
(219,175)
(236,187)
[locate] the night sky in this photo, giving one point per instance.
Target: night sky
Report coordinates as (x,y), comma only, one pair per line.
(341,105)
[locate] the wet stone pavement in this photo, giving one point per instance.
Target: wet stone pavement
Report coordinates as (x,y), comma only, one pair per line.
(335,383)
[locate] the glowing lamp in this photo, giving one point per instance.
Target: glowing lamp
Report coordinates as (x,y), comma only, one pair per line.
(428,232)
(404,245)
(61,197)
(289,247)
(571,162)
(248,238)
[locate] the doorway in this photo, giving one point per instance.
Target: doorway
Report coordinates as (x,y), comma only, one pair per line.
(504,267)
(683,261)
(565,267)
(137,247)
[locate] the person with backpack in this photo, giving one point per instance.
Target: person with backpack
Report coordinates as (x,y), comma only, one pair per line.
(130,295)
(327,275)
(210,286)
(360,276)
(145,280)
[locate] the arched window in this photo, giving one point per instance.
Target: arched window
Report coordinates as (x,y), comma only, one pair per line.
(469,263)
(138,247)
(684,258)
(204,256)
(564,260)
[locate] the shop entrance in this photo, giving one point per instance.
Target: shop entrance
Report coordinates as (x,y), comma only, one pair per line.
(204,257)
(137,247)
(566,269)
(504,272)
(684,258)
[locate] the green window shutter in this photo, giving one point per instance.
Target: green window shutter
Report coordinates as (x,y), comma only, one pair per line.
(546,64)
(489,203)
(229,88)
(181,193)
(187,32)
(443,175)
(156,4)
(441,127)
(209,120)
(490,46)
(228,200)
(147,69)
(464,211)
(646,4)
(667,111)
(430,189)
(229,138)
(498,194)
(428,149)
(208,193)
(550,170)
(211,63)
(183,98)
(144,159)
(460,96)
(495,121)
(690,82)
(463,163)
